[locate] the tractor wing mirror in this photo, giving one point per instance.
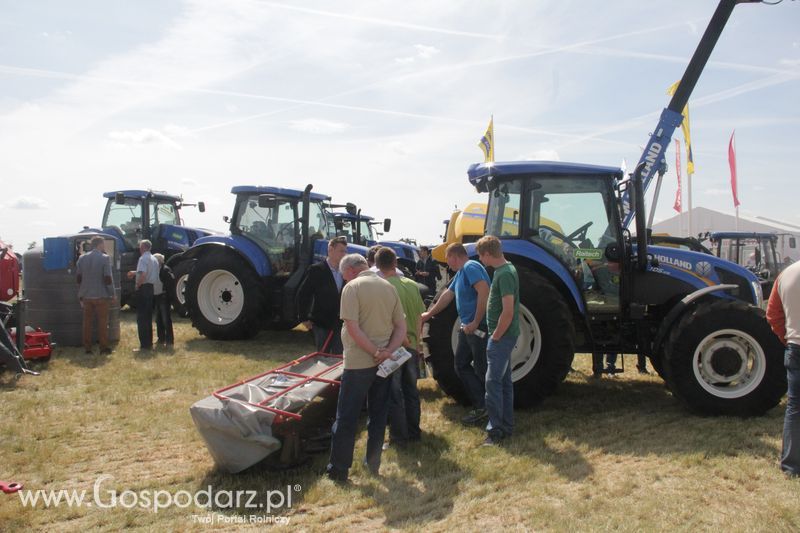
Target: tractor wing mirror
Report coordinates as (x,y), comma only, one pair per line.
(351,208)
(387,225)
(201,206)
(792,242)
(119,198)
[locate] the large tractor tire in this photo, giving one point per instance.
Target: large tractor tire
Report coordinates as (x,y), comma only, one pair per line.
(723,359)
(181,272)
(442,340)
(542,356)
(224,297)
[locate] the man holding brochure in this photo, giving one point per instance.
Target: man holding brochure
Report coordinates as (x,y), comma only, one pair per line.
(374,327)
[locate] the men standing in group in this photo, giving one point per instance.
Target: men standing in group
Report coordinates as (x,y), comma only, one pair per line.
(146,277)
(783,315)
(427,269)
(404,404)
(502,317)
(319,296)
(470,288)
(96,292)
(374,327)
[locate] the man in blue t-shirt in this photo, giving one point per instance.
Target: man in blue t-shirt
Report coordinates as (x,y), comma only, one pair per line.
(470,288)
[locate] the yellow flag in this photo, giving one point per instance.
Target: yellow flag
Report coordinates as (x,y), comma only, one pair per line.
(687,137)
(486,144)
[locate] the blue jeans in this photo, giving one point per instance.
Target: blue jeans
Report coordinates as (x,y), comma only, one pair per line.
(164,332)
(470,363)
(321,335)
(357,386)
(790,456)
(404,405)
(499,387)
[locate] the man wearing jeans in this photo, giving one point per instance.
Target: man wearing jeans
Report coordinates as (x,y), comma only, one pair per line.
(470,288)
(404,404)
(374,327)
(783,315)
(502,316)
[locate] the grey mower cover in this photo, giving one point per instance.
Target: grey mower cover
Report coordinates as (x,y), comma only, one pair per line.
(239,435)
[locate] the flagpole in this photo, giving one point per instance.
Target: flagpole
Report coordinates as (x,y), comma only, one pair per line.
(689,198)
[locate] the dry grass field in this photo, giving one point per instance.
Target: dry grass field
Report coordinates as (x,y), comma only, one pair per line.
(617,454)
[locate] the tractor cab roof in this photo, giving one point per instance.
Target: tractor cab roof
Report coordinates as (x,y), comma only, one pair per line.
(480,174)
(278,191)
(142,194)
(719,235)
(348,216)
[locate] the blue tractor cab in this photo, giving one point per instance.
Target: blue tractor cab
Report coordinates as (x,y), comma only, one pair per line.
(755,251)
(247,280)
(136,214)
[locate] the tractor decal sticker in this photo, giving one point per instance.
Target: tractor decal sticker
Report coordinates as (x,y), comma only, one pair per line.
(588,253)
(703,268)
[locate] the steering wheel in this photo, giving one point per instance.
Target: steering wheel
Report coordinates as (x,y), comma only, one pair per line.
(285,232)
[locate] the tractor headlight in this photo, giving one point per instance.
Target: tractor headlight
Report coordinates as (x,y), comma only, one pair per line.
(758,292)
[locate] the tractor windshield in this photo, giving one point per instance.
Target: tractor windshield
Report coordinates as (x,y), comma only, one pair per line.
(273,228)
(757,254)
(126,218)
(573,218)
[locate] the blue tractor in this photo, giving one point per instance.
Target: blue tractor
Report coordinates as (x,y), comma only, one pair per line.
(247,280)
(588,285)
(133,215)
(754,251)
(360,229)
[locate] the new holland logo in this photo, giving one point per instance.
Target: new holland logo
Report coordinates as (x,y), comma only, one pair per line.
(703,268)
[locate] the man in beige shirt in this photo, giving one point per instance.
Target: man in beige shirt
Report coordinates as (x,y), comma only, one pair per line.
(374,327)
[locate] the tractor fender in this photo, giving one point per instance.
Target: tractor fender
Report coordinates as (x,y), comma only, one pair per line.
(677,311)
(247,250)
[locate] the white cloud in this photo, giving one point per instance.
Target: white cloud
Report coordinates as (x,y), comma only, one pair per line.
(189,182)
(423,52)
(28,202)
(717,192)
(540,155)
(143,136)
(318,126)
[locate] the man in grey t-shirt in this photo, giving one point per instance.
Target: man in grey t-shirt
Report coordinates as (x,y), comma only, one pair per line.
(146,277)
(96,292)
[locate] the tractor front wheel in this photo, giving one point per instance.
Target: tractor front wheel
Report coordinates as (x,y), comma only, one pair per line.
(224,297)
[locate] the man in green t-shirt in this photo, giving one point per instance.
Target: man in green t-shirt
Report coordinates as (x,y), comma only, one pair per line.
(502,317)
(404,404)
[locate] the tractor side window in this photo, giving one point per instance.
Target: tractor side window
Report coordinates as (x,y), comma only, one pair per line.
(317,224)
(273,228)
(502,217)
(127,218)
(573,219)
(164,213)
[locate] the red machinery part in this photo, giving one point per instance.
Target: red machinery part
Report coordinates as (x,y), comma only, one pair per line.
(37,343)
(9,273)
(9,487)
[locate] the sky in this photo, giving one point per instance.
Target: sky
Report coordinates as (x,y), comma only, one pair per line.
(377,103)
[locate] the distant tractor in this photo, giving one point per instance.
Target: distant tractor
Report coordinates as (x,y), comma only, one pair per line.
(247,280)
(593,286)
(133,215)
(360,229)
(754,251)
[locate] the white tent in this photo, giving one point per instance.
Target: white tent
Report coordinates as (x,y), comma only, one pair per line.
(707,220)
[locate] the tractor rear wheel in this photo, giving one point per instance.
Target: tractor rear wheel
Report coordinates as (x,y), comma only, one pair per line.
(224,297)
(181,272)
(542,356)
(723,359)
